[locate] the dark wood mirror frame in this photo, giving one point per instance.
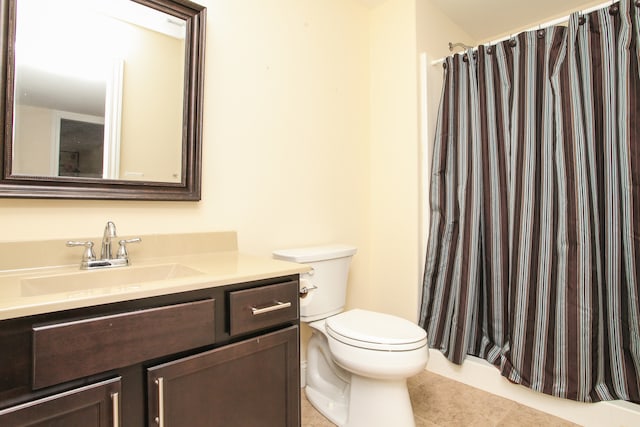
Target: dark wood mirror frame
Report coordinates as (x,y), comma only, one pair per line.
(84,188)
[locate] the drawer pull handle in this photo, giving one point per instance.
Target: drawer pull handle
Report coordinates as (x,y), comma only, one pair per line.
(277,306)
(115,402)
(160,418)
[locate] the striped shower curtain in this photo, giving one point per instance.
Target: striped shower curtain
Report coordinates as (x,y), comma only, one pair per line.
(534,247)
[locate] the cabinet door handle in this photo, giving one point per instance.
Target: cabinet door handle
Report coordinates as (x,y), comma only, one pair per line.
(277,306)
(115,407)
(160,417)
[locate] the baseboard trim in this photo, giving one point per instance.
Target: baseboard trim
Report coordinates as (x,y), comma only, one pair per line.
(480,374)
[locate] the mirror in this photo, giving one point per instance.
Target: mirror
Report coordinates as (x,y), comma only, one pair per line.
(102,99)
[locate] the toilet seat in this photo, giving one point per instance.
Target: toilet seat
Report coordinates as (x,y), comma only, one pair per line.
(375,331)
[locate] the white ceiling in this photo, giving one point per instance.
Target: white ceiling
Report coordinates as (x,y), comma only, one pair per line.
(486,20)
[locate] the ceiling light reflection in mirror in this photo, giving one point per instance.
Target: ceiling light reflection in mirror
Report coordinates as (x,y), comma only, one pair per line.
(98,62)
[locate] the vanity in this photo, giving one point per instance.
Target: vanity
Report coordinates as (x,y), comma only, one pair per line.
(193,333)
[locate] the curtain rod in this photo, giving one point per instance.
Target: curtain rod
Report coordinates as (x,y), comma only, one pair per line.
(550,23)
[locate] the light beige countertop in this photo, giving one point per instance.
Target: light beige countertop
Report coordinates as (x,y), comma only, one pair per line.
(176,263)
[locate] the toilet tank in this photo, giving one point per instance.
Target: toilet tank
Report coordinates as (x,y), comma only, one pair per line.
(326,282)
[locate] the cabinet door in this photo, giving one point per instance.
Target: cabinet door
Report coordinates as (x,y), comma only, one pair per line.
(95,405)
(255,382)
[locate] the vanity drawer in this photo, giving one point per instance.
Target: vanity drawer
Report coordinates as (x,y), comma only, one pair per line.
(75,349)
(262,307)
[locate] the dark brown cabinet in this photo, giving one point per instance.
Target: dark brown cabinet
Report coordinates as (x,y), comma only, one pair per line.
(96,405)
(219,356)
(245,384)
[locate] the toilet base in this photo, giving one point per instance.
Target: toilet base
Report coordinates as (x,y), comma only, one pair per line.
(379,403)
(336,412)
(327,384)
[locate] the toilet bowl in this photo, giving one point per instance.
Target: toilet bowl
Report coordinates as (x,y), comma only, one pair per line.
(376,345)
(358,361)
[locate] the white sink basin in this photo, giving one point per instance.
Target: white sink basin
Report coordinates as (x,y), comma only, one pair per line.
(88,280)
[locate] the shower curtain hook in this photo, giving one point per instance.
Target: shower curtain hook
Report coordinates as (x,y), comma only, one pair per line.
(613,9)
(581,18)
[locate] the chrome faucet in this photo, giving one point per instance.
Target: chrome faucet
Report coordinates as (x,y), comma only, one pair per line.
(106,260)
(109,233)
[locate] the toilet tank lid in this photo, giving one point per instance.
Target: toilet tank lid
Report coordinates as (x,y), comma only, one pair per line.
(315,253)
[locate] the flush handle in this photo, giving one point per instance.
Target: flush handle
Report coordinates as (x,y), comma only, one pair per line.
(277,306)
(306,289)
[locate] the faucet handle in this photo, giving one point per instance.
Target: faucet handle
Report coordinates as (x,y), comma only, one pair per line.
(88,254)
(122,250)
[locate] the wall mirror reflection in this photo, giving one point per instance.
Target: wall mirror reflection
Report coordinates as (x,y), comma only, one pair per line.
(104,93)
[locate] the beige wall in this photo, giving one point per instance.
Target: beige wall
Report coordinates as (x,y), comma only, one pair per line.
(394,147)
(400,31)
(286,137)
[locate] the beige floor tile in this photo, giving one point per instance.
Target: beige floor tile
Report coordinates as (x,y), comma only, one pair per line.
(421,422)
(440,402)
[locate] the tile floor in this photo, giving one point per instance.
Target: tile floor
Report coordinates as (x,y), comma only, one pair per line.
(439,401)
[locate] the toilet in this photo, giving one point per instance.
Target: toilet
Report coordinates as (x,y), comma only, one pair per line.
(358,361)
